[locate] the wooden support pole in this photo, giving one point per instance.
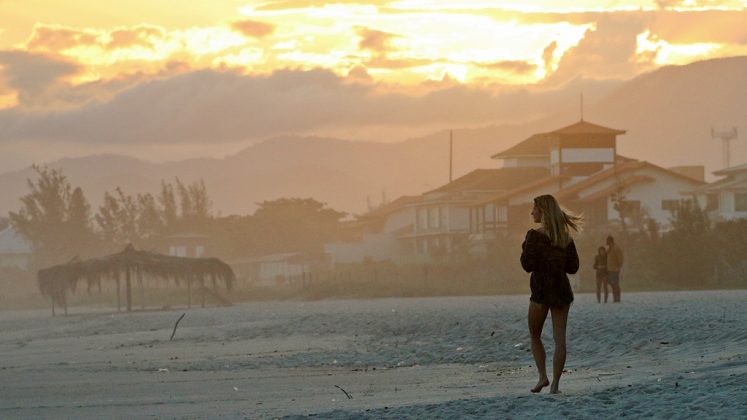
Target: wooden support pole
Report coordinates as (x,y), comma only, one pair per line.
(202,296)
(142,289)
(128,285)
(64,301)
(189,292)
(119,299)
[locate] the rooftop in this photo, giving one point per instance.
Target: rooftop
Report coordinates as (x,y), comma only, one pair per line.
(493,179)
(585,127)
(537,144)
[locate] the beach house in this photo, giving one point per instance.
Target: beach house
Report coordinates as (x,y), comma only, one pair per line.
(579,164)
(586,174)
(726,198)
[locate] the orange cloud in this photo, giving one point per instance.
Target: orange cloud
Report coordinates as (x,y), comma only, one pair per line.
(373,40)
(253,29)
(140,36)
(513,66)
(58,38)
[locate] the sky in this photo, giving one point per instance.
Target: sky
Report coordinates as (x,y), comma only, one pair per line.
(168,79)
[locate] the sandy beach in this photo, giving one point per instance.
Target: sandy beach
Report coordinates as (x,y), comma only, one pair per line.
(678,354)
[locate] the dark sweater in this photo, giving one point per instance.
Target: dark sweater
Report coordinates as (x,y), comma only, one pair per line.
(549,266)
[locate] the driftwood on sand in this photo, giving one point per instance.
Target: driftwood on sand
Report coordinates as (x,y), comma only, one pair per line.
(56,281)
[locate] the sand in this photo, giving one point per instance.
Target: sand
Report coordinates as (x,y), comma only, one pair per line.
(656,354)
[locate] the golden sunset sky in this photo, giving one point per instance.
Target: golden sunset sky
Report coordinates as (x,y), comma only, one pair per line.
(60,60)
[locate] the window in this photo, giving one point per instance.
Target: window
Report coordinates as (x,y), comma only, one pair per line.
(178,251)
(444,216)
(631,208)
(422,219)
(670,205)
(740,201)
(502,214)
(433,217)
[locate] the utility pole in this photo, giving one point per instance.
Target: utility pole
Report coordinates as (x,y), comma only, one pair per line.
(451,154)
(726,137)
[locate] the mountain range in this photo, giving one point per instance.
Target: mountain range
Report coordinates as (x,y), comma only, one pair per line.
(668,114)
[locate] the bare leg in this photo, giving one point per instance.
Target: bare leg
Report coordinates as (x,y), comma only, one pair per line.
(606,293)
(559,322)
(599,287)
(536,318)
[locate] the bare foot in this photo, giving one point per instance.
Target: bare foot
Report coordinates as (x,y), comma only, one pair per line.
(554,389)
(541,384)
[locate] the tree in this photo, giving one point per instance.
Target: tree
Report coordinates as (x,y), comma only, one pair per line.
(168,209)
(118,219)
(195,204)
(149,222)
(55,219)
(295,224)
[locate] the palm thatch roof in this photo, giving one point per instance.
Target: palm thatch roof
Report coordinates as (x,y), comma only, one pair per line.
(54,282)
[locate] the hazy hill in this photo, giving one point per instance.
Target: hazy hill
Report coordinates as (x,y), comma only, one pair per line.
(668,114)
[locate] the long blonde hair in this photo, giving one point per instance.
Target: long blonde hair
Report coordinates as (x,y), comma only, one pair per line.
(556,221)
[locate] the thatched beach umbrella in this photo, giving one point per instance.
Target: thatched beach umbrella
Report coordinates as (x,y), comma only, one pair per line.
(56,281)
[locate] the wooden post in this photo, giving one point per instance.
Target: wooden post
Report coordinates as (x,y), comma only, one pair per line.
(189,292)
(142,289)
(425,278)
(119,299)
(64,301)
(128,285)
(202,285)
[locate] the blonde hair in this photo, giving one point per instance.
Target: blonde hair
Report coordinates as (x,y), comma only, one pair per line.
(556,221)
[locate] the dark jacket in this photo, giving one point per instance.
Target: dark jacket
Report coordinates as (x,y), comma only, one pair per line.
(549,266)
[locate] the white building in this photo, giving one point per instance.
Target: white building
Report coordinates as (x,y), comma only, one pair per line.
(578,164)
(725,199)
(586,175)
(15,250)
(379,235)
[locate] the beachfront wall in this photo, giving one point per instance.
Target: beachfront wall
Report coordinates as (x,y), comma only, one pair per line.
(373,247)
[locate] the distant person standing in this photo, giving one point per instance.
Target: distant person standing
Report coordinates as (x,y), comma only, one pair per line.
(600,266)
(550,255)
(614,264)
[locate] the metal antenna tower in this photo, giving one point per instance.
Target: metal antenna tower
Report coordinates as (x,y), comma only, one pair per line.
(726,138)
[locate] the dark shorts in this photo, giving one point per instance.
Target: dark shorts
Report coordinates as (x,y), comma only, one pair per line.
(613,277)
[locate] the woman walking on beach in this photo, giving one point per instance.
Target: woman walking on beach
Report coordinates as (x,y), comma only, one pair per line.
(550,254)
(600,266)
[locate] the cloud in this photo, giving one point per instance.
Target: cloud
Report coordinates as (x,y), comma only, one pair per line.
(214,107)
(606,52)
(303,4)
(253,29)
(33,74)
(513,66)
(547,56)
(138,36)
(373,40)
(58,38)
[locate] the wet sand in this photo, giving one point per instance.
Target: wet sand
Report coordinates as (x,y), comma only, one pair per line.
(656,354)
